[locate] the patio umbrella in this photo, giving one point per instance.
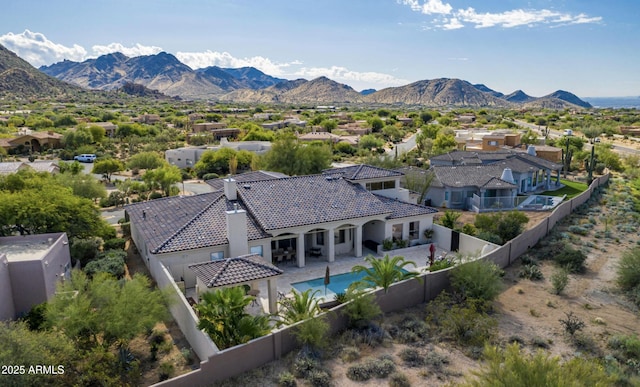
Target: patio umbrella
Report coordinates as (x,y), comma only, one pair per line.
(327,280)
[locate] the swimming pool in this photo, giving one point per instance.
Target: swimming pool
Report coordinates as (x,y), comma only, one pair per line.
(339,284)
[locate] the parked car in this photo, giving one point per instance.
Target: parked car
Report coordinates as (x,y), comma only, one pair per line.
(597,139)
(85,158)
(568,132)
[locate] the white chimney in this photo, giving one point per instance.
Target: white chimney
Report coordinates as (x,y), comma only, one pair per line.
(531,150)
(507,175)
(237,231)
(230,188)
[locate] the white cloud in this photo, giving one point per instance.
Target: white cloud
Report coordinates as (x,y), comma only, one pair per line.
(452,24)
(137,50)
(36,49)
(429,7)
(197,60)
(342,74)
(508,19)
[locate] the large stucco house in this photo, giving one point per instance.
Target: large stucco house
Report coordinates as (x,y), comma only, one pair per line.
(285,220)
(463,179)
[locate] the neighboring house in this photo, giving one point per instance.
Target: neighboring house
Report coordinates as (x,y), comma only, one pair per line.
(110,129)
(281,219)
(464,178)
(32,141)
(39,166)
(31,266)
(189,156)
(206,126)
(497,141)
(9,167)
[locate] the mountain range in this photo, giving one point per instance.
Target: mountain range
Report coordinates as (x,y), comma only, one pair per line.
(165,74)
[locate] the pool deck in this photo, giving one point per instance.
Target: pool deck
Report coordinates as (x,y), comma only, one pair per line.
(316,268)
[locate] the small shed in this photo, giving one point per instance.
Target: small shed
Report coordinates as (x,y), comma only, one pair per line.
(245,269)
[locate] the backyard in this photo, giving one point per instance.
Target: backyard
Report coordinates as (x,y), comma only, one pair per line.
(527,311)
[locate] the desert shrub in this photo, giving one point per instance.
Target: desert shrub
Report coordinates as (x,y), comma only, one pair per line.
(479,280)
(571,259)
(155,195)
(572,323)
(469,323)
(435,361)
(626,347)
(114,244)
(312,332)
(85,250)
(398,379)
(507,225)
(381,367)
(440,265)
(578,230)
(359,372)
(528,260)
(372,335)
(111,262)
(490,237)
(628,272)
(286,379)
(512,367)
(411,330)
(319,378)
(303,365)
(210,176)
(539,342)
(559,280)
(469,229)
(531,272)
(387,244)
(411,357)
(166,370)
(349,354)
(361,310)
(586,344)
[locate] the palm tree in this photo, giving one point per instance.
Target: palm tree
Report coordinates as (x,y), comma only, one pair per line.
(301,306)
(383,272)
(222,315)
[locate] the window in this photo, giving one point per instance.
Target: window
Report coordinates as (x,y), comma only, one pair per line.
(493,143)
(217,256)
(390,184)
(414,230)
(256,250)
(396,231)
(446,195)
(456,197)
(320,238)
(339,236)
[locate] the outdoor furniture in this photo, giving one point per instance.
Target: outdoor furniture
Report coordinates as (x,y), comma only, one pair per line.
(315,251)
(254,293)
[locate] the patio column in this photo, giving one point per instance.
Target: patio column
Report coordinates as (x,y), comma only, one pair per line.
(358,241)
(331,253)
(272,293)
(301,249)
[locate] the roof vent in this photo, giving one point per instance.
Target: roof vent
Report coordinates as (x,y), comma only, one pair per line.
(531,150)
(507,175)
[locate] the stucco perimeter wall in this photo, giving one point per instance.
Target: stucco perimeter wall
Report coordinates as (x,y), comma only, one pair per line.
(182,312)
(7,311)
(234,361)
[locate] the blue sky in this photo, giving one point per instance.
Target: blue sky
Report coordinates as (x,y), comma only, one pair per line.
(588,47)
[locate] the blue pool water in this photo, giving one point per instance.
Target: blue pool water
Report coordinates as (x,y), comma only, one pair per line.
(339,284)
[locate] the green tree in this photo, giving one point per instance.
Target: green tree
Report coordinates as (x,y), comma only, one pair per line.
(97,132)
(504,224)
(376,124)
(82,185)
(360,309)
(450,219)
(146,160)
(384,271)
(164,177)
(289,156)
(223,316)
(107,167)
(444,143)
(477,280)
(369,142)
(23,347)
(512,367)
(74,139)
(218,161)
(105,311)
(72,167)
(529,138)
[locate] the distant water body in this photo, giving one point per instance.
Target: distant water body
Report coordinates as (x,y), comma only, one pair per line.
(614,102)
